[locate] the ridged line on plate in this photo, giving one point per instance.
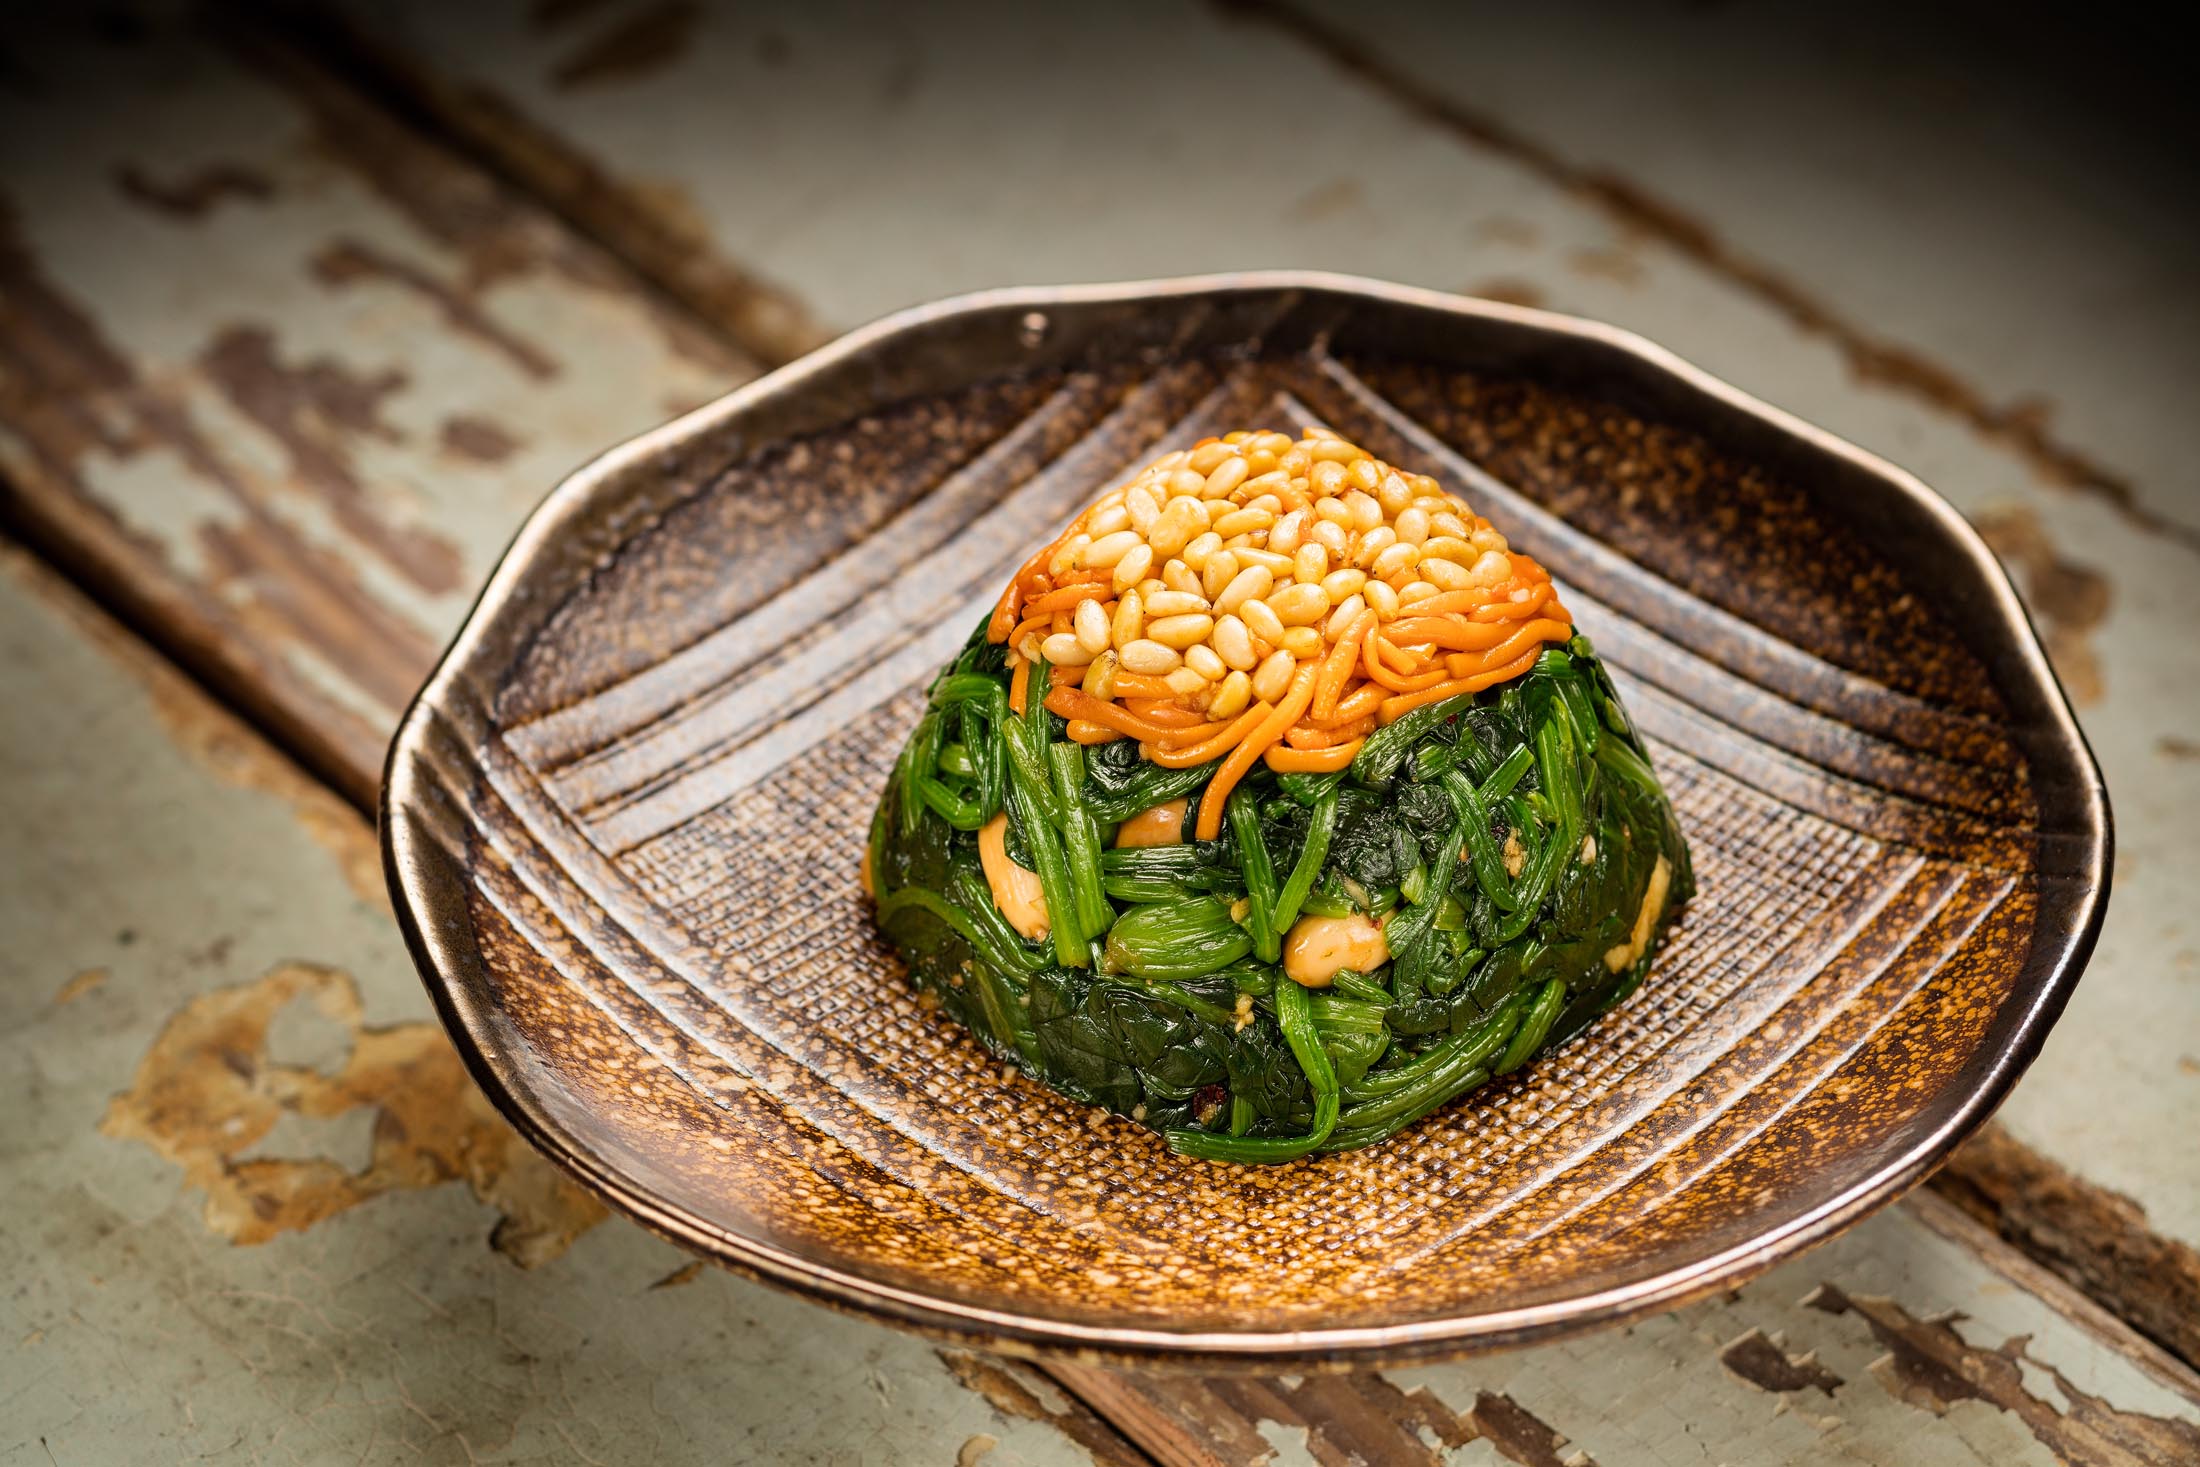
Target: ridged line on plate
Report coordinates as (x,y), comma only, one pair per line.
(768,1071)
(1754,1055)
(1649,599)
(899,635)
(931,522)
(1844,1032)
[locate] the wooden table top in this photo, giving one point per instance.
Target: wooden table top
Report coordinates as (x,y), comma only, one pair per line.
(297,321)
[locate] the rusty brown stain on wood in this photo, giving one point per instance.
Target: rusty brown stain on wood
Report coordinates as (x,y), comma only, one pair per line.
(2173,746)
(2095,1238)
(315,409)
(2069,600)
(1508,290)
(1356,1420)
(347,262)
(208,1091)
(1618,265)
(686,1273)
(1931,1367)
(1014,1390)
(69,397)
(195,194)
(764,322)
(2021,426)
(1328,200)
(1760,1361)
(642,43)
(477,439)
(80,984)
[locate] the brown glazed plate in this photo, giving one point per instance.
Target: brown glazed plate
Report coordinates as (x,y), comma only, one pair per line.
(623,823)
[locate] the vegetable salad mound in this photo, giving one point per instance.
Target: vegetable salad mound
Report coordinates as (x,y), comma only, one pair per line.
(1269,957)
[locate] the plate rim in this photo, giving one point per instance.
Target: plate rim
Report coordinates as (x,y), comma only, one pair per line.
(413,863)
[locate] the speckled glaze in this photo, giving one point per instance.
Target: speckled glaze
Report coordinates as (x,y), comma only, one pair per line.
(623,824)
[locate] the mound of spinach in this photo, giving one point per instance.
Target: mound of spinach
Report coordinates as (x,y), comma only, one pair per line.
(1507,839)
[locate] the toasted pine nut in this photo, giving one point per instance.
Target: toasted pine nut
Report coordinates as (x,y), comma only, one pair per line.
(1215,576)
(1149,658)
(1365,474)
(1070,556)
(1326,478)
(1335,450)
(1231,696)
(1393,494)
(1444,522)
(1142,507)
(1268,559)
(1488,540)
(1297,605)
(1064,650)
(1205,457)
(1100,676)
(1174,603)
(1225,477)
(1342,583)
(1333,509)
(1251,582)
(1372,544)
(1184,483)
(1311,563)
(1413,591)
(1331,536)
(1179,632)
(1244,521)
(1203,545)
(1447,547)
(1235,644)
(1274,675)
(1448,575)
(1261,620)
(1107,521)
(1342,617)
(1129,622)
(1302,642)
(1384,599)
(1184,682)
(1177,576)
(1411,525)
(1203,660)
(1493,569)
(1091,622)
(1396,558)
(1132,568)
(1283,537)
(1179,522)
(1106,550)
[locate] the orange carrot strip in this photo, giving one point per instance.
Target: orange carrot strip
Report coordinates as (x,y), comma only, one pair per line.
(1312,761)
(1066,599)
(1407,702)
(1453,632)
(1312,736)
(1404,663)
(1398,682)
(1206,749)
(1163,712)
(1448,601)
(1084,731)
(1255,744)
(1017,684)
(1361,702)
(1525,639)
(1138,685)
(1515,610)
(1077,703)
(1337,666)
(1027,626)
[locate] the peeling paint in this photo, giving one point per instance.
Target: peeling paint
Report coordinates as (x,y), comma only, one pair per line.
(208,1090)
(1760,1361)
(642,43)
(1015,1391)
(196,194)
(347,262)
(1931,1367)
(2070,601)
(476,439)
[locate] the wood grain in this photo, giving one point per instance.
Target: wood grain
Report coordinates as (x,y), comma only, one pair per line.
(278,376)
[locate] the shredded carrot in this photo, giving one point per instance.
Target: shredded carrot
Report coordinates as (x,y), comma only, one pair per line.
(1329,684)
(1163,711)
(1396,682)
(1407,702)
(1255,744)
(1524,638)
(1314,736)
(1361,702)
(1138,685)
(1027,626)
(1514,610)
(1065,599)
(1018,682)
(1312,761)
(1206,749)
(1076,703)
(1453,633)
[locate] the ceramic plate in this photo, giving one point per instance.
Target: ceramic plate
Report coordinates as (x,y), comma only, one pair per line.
(623,825)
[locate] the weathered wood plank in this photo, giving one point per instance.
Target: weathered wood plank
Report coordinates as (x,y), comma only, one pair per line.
(1333,156)
(251,1206)
(1899,1342)
(280,378)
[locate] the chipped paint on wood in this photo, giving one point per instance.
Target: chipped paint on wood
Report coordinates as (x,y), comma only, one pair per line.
(209,1090)
(228,410)
(392,1327)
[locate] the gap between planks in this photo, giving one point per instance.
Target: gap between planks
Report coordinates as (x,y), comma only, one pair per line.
(2093,1238)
